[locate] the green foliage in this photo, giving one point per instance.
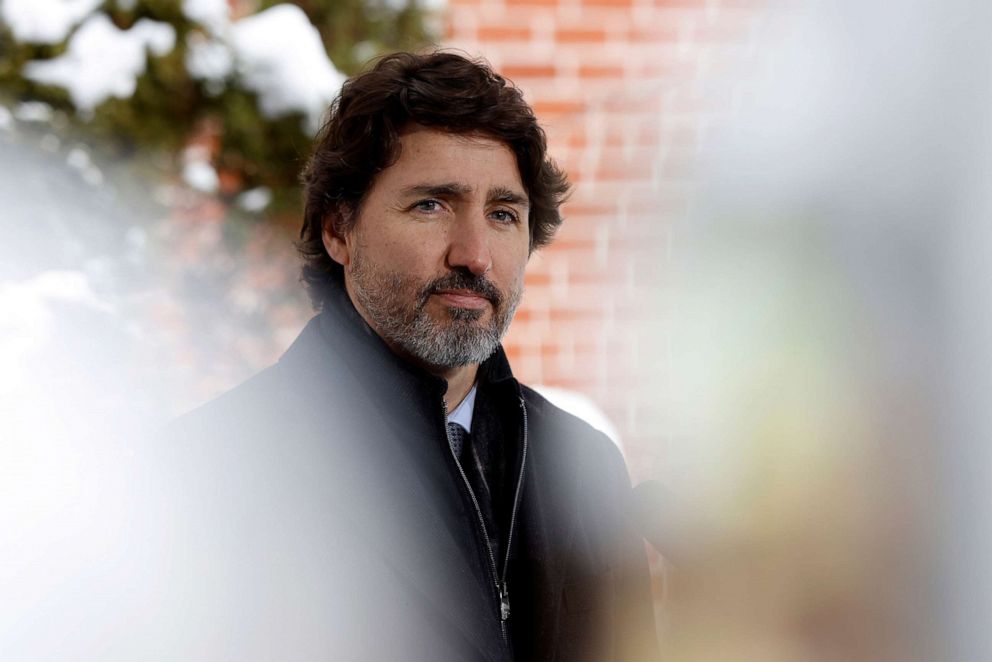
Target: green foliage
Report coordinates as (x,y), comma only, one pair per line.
(167,11)
(13,56)
(263,151)
(169,103)
(160,113)
(356,30)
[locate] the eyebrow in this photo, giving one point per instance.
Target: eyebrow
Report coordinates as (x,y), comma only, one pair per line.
(508,196)
(448,189)
(453,189)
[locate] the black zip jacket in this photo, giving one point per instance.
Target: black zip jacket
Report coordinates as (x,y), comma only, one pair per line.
(316,512)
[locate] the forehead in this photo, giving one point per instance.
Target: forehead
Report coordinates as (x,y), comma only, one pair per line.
(477,162)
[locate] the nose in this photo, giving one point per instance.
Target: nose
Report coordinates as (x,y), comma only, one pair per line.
(468,246)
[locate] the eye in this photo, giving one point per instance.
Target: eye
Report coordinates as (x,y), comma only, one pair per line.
(429,206)
(505,216)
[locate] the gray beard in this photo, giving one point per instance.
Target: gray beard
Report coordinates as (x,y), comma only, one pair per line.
(397,310)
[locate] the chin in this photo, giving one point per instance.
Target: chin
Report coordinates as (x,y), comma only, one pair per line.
(465,314)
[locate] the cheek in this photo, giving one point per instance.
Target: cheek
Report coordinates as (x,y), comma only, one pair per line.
(511,269)
(383,249)
(414,260)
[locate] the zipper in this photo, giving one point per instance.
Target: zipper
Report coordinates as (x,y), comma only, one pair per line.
(505,596)
(499,578)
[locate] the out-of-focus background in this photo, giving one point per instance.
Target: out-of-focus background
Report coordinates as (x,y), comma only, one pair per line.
(189,122)
(771,287)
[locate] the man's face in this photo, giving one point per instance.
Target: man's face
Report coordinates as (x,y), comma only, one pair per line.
(435,261)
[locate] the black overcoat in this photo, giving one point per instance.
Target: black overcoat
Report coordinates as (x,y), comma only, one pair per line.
(315,513)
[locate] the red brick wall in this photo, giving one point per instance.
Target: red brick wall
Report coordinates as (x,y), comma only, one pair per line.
(620,87)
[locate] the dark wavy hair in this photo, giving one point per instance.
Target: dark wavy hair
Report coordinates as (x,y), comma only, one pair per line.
(361,137)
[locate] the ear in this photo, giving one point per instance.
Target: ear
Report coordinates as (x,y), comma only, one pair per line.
(335,245)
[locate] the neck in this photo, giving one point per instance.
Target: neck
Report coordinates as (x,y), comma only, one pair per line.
(460,381)
(459,378)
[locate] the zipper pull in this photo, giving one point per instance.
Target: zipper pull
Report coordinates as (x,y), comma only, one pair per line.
(504,602)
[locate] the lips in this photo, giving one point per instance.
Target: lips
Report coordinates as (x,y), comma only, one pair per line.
(462,290)
(463,298)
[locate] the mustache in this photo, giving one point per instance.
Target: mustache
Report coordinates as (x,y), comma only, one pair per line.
(459,280)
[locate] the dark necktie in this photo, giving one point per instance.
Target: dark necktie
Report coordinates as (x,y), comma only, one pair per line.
(457,436)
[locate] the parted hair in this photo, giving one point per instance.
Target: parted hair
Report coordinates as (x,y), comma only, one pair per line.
(361,137)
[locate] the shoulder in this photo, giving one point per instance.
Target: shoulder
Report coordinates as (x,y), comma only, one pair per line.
(569,441)
(243,410)
(578,475)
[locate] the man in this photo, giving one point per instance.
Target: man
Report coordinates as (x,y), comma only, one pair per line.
(388,490)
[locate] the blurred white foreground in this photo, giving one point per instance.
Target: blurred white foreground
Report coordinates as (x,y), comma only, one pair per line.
(834,328)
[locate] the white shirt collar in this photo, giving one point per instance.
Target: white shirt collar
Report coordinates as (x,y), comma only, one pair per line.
(463,412)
